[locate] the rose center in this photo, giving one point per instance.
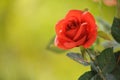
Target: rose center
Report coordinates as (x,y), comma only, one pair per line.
(71,29)
(71,25)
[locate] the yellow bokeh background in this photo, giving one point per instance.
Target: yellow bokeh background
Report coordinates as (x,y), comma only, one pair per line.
(27,26)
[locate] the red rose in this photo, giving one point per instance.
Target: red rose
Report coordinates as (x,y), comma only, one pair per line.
(78,28)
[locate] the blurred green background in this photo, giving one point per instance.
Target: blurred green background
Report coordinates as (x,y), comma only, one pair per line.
(27,26)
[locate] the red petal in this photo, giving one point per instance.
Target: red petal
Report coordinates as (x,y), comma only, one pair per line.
(88,18)
(71,33)
(75,44)
(80,32)
(60,30)
(81,41)
(91,39)
(59,43)
(74,13)
(59,26)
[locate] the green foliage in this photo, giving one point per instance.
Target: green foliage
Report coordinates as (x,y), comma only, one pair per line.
(106,60)
(103,35)
(116,71)
(78,58)
(117,57)
(103,67)
(115,30)
(87,76)
(110,77)
(96,77)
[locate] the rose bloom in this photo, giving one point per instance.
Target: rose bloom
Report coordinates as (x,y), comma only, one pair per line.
(110,2)
(78,28)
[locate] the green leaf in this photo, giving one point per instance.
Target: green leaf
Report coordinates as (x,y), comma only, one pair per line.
(87,76)
(96,77)
(107,77)
(51,47)
(94,67)
(110,77)
(106,60)
(116,71)
(78,58)
(103,35)
(115,30)
(107,44)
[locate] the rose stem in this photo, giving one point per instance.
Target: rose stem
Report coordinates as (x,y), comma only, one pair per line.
(118,60)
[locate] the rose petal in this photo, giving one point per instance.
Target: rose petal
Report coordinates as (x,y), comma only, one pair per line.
(71,33)
(59,43)
(59,26)
(60,30)
(69,45)
(81,41)
(81,31)
(91,29)
(74,13)
(91,39)
(89,19)
(64,38)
